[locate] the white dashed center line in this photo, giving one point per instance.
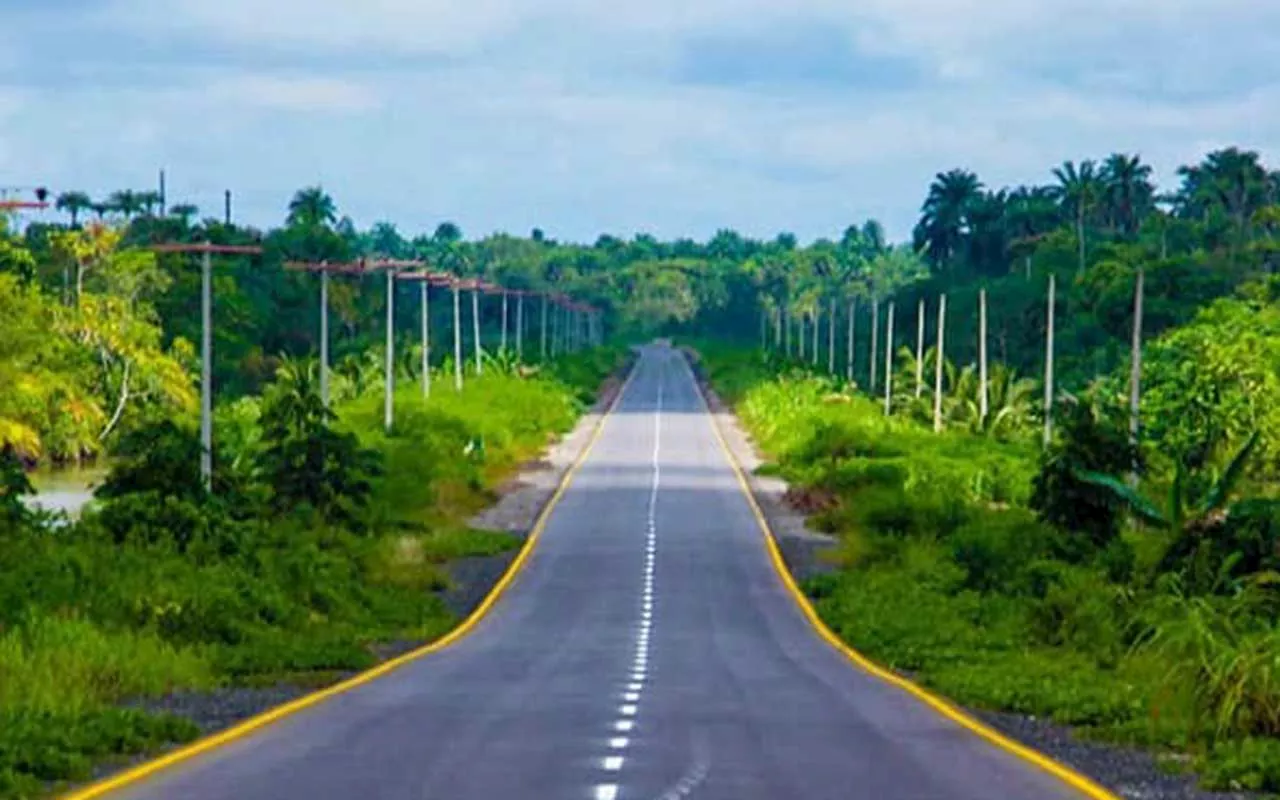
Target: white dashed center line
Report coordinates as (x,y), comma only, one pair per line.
(639,666)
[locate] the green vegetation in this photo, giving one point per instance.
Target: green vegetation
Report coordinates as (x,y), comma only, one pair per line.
(163,586)
(1156,634)
(1001,572)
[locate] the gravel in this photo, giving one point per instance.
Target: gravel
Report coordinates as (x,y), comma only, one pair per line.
(1130,772)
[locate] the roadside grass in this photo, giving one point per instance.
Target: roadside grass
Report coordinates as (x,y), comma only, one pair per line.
(201,596)
(945,575)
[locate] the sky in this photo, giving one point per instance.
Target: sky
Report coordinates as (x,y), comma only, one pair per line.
(671,117)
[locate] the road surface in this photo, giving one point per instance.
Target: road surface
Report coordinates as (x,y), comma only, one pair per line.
(647,650)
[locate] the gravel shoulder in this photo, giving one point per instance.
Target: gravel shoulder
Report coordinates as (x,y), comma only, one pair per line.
(1131,773)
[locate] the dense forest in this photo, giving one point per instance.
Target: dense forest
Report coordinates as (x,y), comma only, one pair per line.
(1044,557)
(124,311)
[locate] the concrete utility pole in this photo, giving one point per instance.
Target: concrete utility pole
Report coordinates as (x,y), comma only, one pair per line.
(503,346)
(853,315)
(457,337)
(392,268)
(1048,363)
(831,339)
(207,251)
(817,329)
(520,324)
(875,341)
(983,397)
(1135,367)
(920,348)
(542,330)
(937,378)
(888,363)
(325,269)
(425,280)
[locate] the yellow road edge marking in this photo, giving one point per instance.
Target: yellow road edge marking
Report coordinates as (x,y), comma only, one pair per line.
(1074,779)
(255,723)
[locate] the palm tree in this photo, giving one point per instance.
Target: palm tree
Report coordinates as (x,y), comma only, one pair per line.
(1031,213)
(1128,193)
(945,215)
(74,203)
(1231,181)
(185,212)
(127,202)
(311,207)
(1078,191)
(150,201)
(989,232)
(447,233)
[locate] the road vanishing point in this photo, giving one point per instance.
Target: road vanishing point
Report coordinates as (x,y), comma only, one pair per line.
(647,649)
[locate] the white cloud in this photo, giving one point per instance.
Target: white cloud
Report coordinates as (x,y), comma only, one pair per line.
(563,113)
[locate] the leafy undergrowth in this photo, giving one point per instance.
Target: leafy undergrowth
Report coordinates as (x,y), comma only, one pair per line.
(945,573)
(277,575)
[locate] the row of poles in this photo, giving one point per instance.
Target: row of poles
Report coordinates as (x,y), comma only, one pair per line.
(566,326)
(790,332)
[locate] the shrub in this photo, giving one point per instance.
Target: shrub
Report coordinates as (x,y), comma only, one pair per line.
(1089,440)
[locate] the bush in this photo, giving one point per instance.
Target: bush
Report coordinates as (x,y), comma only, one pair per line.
(1089,440)
(999,549)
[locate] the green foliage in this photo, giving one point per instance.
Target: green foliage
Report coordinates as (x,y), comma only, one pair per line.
(304,458)
(14,486)
(1090,439)
(1007,581)
(163,585)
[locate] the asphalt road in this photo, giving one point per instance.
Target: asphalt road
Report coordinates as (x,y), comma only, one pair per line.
(647,650)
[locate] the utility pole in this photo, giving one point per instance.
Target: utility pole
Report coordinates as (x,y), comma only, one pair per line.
(542,330)
(1135,368)
(875,346)
(983,399)
(163,195)
(503,346)
(1048,363)
(457,336)
(425,279)
(226,201)
(848,349)
(831,339)
(392,268)
(325,269)
(937,378)
(520,324)
(920,348)
(207,251)
(817,329)
(888,364)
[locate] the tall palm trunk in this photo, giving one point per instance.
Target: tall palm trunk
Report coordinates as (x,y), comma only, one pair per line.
(853,314)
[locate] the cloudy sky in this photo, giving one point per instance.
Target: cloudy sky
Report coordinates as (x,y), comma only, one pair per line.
(675,117)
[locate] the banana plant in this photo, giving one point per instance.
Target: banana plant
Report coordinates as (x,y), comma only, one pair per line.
(1195,520)
(1182,514)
